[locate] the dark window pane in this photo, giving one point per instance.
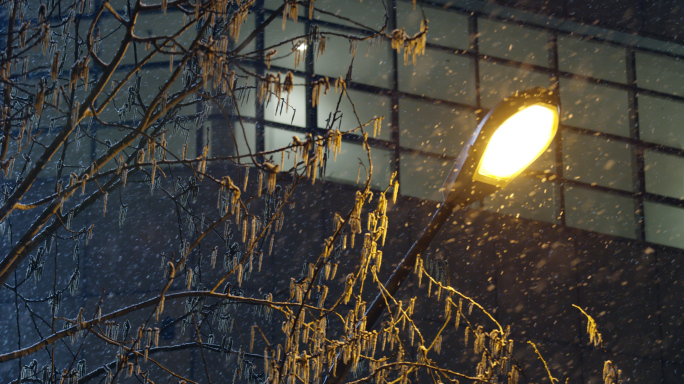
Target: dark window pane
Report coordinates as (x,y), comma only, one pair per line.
(440,75)
(596,160)
(367,105)
(423,176)
(596,107)
(499,81)
(661,121)
(446,28)
(600,212)
(434,128)
(527,197)
(513,42)
(664,224)
(664,174)
(592,59)
(660,73)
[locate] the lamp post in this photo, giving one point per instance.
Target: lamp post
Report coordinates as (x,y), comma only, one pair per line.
(509,138)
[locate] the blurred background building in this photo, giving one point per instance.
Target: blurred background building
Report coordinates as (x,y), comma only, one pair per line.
(597,222)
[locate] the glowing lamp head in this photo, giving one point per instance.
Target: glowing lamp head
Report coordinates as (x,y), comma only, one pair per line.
(508,139)
(520,140)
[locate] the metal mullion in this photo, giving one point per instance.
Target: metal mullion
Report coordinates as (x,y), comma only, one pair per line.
(600,188)
(594,80)
(475,48)
(662,148)
(447,103)
(344,28)
(260,69)
(311,121)
(395,95)
(673,201)
(609,136)
(628,140)
(638,174)
(350,138)
(558,140)
(651,92)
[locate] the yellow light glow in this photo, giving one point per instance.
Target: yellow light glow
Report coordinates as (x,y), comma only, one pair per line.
(518,142)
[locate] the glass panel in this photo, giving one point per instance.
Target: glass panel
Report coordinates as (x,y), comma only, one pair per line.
(546,163)
(596,160)
(152,79)
(423,176)
(600,212)
(661,121)
(664,224)
(446,28)
(275,138)
(111,33)
(513,42)
(660,73)
(664,174)
(233,139)
(274,4)
(293,33)
(78,156)
(180,140)
(592,59)
(527,197)
(499,81)
(152,82)
(434,127)
(594,107)
(372,63)
(365,14)
(367,105)
(247,27)
(346,169)
(245,95)
(290,109)
(45,139)
(147,25)
(440,75)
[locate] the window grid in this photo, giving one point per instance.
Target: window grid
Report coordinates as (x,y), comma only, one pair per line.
(638,193)
(632,87)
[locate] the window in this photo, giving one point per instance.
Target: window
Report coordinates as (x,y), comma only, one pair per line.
(592,59)
(661,121)
(599,211)
(513,42)
(597,161)
(439,75)
(434,127)
(660,73)
(595,107)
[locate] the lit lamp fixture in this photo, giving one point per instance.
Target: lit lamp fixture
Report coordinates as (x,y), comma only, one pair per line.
(509,138)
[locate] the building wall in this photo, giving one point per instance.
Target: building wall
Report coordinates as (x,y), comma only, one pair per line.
(660,19)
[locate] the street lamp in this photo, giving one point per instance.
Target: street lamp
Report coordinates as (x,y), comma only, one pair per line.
(509,138)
